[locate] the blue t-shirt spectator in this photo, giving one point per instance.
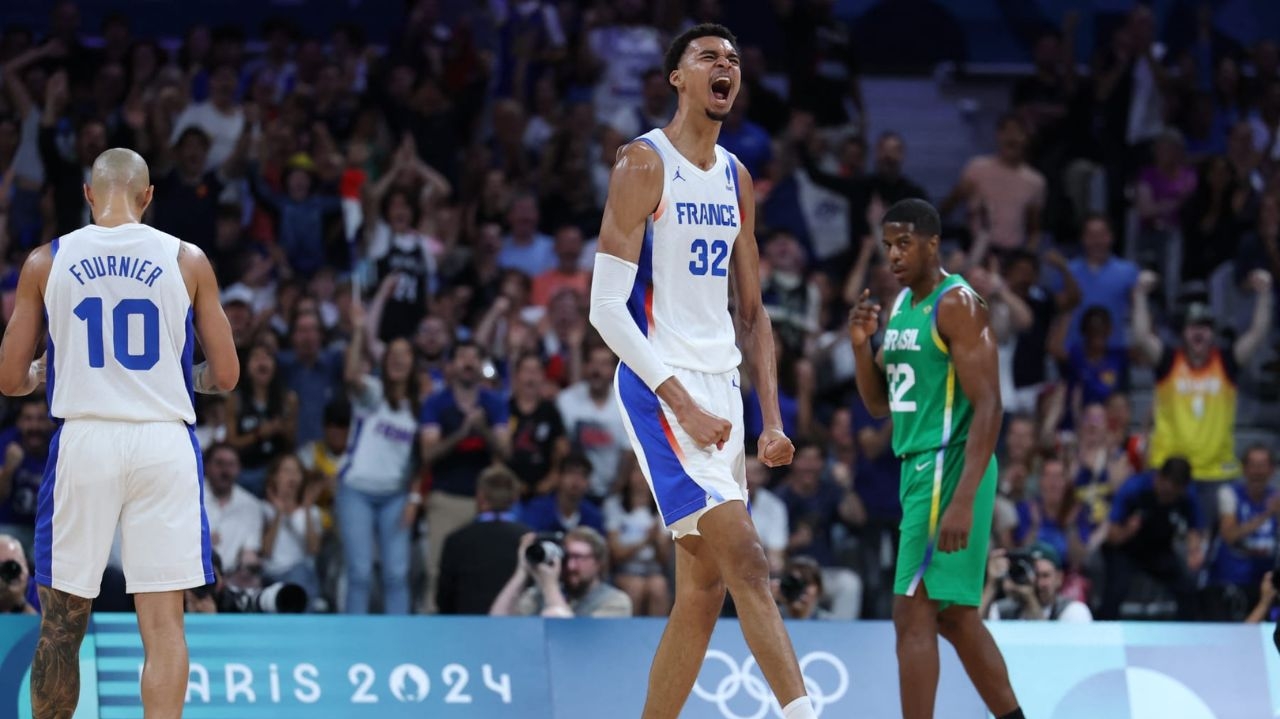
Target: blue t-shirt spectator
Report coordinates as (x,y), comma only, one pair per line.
(1244,562)
(1052,532)
(1109,285)
(457,471)
(301,233)
(1161,523)
(316,384)
(542,514)
(532,259)
(1097,379)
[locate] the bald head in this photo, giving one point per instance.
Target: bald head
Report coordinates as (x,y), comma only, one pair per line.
(120,169)
(120,187)
(11,548)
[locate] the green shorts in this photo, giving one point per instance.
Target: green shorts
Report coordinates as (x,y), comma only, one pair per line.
(955,577)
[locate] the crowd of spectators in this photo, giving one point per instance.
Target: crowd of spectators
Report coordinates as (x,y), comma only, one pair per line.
(403,234)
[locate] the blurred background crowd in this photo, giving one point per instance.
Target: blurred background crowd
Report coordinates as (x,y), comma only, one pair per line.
(403,224)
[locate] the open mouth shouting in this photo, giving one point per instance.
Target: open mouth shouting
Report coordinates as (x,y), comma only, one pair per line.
(721,87)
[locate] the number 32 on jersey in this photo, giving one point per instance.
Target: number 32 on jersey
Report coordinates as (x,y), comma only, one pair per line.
(901,379)
(709,258)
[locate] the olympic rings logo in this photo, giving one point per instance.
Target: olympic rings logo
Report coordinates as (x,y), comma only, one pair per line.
(747,678)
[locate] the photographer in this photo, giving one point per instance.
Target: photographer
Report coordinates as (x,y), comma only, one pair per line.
(1030,581)
(578,591)
(799,590)
(15,578)
(225,597)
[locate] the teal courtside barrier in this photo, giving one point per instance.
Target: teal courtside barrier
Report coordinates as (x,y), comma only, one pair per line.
(335,667)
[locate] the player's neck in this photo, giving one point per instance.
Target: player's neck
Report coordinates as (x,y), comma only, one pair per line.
(694,137)
(115,210)
(927,283)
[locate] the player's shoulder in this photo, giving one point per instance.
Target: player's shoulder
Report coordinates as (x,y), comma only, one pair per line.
(191,258)
(961,303)
(636,184)
(639,157)
(189,251)
(41,256)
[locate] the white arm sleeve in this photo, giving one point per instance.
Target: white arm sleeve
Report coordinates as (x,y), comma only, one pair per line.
(610,287)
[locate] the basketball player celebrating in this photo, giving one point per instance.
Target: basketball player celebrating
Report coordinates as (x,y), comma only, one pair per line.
(678,227)
(936,374)
(122,301)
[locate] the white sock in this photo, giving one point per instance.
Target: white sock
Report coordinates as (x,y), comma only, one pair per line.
(799,709)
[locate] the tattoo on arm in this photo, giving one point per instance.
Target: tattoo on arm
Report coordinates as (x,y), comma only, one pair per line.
(202,381)
(55,670)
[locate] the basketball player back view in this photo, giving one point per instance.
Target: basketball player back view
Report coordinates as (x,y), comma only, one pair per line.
(119,385)
(124,305)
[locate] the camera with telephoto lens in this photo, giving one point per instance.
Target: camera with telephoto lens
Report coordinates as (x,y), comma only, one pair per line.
(1022,567)
(792,586)
(546,548)
(278,598)
(10,570)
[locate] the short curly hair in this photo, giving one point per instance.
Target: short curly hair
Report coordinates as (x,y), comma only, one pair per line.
(676,50)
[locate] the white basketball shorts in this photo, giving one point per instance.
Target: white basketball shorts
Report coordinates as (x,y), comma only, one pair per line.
(148,477)
(686,480)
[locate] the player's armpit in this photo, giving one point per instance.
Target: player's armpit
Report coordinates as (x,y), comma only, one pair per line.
(18,375)
(221,370)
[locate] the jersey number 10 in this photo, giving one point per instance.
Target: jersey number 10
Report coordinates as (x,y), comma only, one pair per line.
(90,310)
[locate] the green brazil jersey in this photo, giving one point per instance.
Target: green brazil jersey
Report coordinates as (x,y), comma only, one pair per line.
(929,411)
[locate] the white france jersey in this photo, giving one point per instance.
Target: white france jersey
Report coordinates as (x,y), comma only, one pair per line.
(120,327)
(681,296)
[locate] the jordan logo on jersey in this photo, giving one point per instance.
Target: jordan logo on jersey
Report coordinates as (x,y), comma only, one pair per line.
(728,177)
(901,340)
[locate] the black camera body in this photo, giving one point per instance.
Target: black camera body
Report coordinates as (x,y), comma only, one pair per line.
(546,548)
(10,570)
(1022,567)
(792,587)
(278,598)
